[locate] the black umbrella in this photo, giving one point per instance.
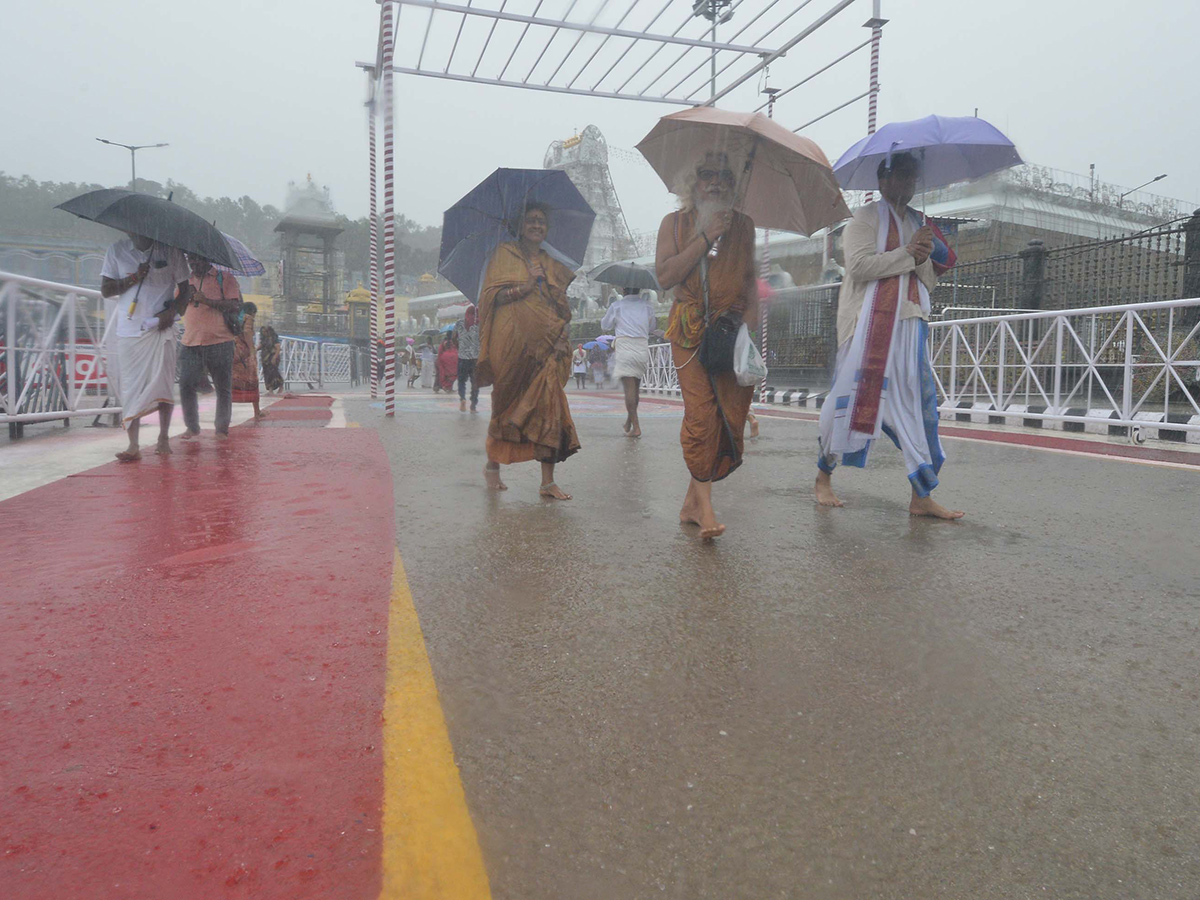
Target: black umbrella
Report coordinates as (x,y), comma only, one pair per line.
(627,274)
(157,219)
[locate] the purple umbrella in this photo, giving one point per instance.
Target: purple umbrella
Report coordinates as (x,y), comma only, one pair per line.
(950,149)
(249,265)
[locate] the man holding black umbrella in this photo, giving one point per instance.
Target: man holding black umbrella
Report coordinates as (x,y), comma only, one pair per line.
(144,276)
(631,319)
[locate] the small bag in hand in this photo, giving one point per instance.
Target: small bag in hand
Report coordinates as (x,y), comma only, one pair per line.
(748,365)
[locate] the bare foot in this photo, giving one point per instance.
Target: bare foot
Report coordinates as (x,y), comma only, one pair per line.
(690,514)
(163,447)
(554,491)
(627,426)
(927,506)
(826,496)
(708,533)
(189,435)
(754,428)
(636,431)
(129,455)
(492,477)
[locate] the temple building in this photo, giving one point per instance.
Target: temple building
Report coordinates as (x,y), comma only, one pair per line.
(584,157)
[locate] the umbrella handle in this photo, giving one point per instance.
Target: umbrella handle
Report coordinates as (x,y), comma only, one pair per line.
(136,294)
(744,181)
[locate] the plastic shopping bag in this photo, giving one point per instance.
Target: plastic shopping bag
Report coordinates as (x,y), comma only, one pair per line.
(748,365)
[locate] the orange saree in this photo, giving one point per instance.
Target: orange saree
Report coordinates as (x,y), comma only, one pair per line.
(525,355)
(709,451)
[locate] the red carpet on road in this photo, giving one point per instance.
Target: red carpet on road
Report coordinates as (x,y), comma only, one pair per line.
(305,410)
(192,664)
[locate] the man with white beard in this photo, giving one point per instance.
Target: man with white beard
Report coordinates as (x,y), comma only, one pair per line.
(706,252)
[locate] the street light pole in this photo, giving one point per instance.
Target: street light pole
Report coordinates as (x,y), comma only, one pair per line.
(1138,188)
(133,149)
(712,10)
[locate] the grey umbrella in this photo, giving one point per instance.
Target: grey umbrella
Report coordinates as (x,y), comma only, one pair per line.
(155,218)
(627,274)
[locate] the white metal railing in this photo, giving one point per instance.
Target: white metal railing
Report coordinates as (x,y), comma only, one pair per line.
(300,361)
(52,351)
(660,373)
(54,346)
(1111,365)
(318,363)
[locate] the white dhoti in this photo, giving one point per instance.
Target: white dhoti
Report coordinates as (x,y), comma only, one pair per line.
(632,357)
(908,409)
(145,372)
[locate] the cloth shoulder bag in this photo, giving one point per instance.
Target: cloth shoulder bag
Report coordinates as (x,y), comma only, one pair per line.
(720,333)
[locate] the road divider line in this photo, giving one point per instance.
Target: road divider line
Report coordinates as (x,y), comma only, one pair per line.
(430,849)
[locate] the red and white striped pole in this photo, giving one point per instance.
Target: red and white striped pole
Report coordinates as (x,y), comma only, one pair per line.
(373,329)
(389,221)
(875,23)
(765,269)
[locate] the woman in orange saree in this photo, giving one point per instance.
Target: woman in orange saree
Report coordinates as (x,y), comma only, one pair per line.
(525,354)
(245,362)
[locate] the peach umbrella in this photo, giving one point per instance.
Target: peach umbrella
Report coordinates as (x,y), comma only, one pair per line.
(783,181)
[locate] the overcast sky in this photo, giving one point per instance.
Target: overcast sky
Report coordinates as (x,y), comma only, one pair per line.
(253,94)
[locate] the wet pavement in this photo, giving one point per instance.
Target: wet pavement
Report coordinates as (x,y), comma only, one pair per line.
(825,703)
(192,669)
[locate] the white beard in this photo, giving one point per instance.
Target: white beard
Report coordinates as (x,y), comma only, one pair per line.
(708,206)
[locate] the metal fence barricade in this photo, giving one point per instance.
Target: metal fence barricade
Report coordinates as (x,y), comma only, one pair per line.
(52,352)
(1105,366)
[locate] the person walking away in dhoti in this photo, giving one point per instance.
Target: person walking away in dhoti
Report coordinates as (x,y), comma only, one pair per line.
(466,334)
(525,354)
(144,276)
(883,382)
(208,345)
(428,363)
(245,362)
(631,319)
(597,361)
(714,407)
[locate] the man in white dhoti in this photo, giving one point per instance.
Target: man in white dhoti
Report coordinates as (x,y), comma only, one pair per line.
(630,319)
(883,382)
(144,276)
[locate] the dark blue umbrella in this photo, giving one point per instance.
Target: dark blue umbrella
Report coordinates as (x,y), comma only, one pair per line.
(950,149)
(155,218)
(490,214)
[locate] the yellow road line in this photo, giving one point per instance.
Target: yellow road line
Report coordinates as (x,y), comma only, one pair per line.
(430,849)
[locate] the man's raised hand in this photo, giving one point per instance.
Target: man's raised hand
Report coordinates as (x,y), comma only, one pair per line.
(921,244)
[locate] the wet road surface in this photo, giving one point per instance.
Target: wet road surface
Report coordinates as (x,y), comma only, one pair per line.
(825,703)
